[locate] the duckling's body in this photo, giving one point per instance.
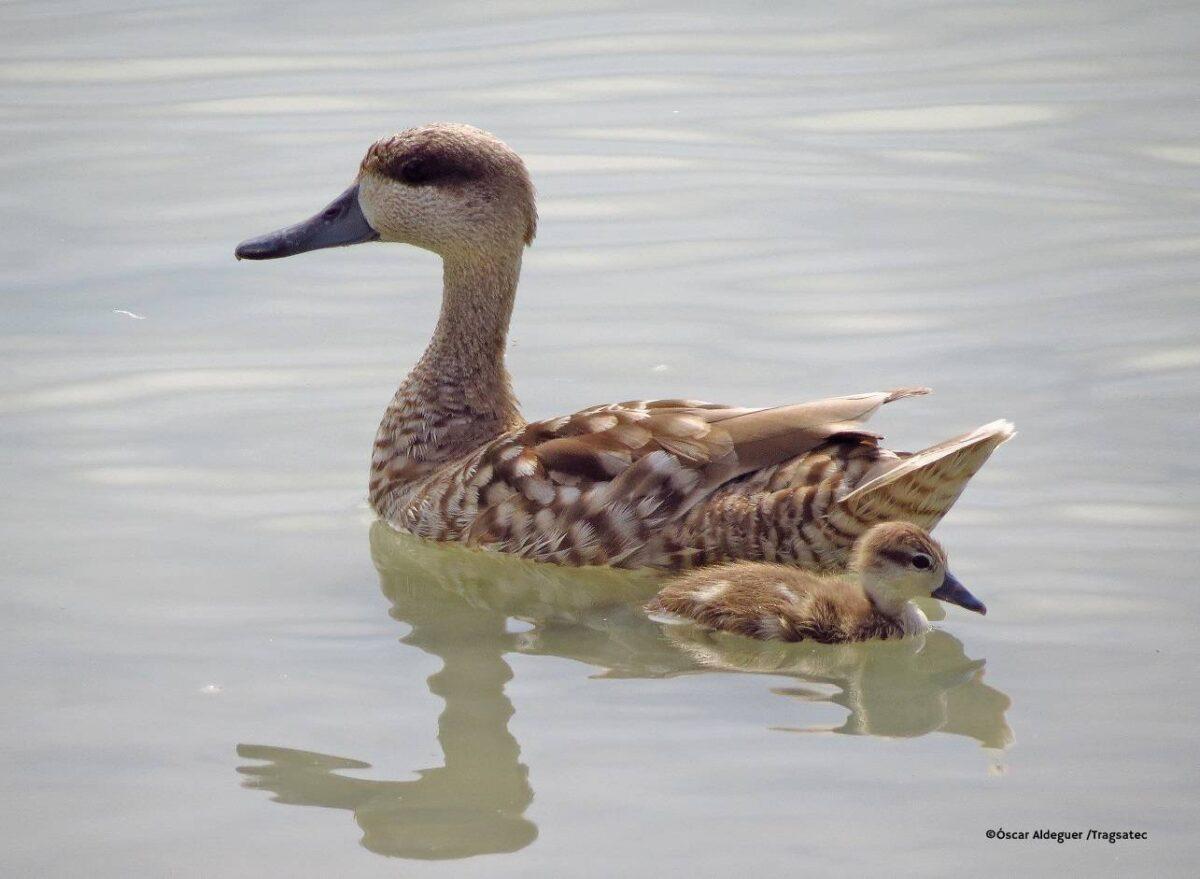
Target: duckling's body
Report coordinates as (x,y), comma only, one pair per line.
(661,483)
(774,602)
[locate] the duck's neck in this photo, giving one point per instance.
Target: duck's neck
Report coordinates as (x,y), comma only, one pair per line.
(459,394)
(477,303)
(894,606)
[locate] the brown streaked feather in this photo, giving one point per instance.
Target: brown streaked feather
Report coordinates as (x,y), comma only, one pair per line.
(921,487)
(766,437)
(786,513)
(648,463)
(664,483)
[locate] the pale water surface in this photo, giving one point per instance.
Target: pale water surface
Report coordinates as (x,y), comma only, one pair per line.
(202,636)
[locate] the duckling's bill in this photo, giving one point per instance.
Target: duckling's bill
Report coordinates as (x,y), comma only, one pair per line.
(341,223)
(955,592)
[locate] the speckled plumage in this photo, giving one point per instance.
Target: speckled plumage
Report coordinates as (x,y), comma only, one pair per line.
(665,484)
(661,483)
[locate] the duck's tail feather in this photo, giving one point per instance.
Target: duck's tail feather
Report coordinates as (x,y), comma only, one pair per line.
(921,487)
(900,393)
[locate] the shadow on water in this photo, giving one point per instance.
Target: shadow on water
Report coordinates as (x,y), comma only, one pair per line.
(458,603)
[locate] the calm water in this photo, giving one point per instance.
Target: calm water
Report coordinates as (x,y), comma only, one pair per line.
(202,635)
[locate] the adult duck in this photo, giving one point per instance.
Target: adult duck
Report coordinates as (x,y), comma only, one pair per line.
(661,483)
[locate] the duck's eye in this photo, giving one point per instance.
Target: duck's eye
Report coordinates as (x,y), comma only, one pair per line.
(414,171)
(433,166)
(922,562)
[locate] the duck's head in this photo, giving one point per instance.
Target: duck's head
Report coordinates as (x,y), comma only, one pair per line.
(898,561)
(444,187)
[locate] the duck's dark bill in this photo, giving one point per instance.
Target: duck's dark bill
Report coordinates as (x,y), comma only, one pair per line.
(956,593)
(340,224)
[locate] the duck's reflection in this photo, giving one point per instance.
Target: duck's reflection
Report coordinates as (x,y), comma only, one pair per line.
(474,803)
(458,603)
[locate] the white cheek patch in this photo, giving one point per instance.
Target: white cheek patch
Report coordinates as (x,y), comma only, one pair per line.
(913,621)
(370,194)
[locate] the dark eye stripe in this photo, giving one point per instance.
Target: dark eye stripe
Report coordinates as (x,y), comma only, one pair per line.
(416,171)
(429,166)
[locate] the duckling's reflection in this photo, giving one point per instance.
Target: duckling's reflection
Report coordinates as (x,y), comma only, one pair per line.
(896,689)
(458,602)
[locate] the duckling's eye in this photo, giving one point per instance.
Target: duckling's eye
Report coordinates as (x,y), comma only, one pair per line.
(922,562)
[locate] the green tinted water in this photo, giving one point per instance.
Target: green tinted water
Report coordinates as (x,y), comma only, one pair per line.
(201,631)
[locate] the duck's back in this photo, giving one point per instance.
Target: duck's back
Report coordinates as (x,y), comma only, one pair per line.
(612,484)
(773,603)
(660,483)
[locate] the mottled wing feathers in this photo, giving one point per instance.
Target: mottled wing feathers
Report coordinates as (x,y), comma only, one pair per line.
(765,437)
(599,486)
(680,483)
(599,444)
(921,487)
(595,487)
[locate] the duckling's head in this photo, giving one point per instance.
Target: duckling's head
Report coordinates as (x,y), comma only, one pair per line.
(898,562)
(445,187)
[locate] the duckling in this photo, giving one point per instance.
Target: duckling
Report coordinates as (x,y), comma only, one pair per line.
(644,483)
(892,563)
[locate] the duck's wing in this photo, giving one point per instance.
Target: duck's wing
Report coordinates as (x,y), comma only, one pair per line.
(765,437)
(596,486)
(757,438)
(922,486)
